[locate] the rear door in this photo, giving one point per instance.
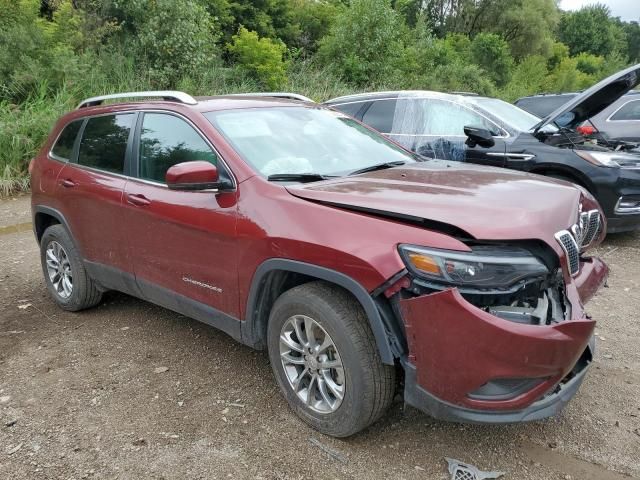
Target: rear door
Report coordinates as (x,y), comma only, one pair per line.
(90,190)
(182,243)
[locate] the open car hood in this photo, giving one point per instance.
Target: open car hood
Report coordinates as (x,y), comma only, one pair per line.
(593,100)
(456,198)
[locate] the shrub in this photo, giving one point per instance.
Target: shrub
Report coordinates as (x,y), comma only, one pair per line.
(261,58)
(170,37)
(490,52)
(366,43)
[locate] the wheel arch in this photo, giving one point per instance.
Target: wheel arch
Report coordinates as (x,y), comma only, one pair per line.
(565,171)
(44,217)
(274,276)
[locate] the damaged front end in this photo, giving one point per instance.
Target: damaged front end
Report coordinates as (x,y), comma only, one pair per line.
(492,335)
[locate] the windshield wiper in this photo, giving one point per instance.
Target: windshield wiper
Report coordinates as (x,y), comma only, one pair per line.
(297,177)
(379,166)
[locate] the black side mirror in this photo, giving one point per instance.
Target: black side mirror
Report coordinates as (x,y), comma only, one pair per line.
(478,136)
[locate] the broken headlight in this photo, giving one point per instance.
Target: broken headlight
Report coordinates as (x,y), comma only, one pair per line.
(485,267)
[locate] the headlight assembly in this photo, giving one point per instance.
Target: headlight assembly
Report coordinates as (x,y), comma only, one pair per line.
(485,267)
(610,159)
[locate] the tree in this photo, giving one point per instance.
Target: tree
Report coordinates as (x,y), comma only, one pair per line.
(592,30)
(528,78)
(313,19)
(632,34)
(527,25)
(490,52)
(366,43)
(268,18)
(170,37)
(261,58)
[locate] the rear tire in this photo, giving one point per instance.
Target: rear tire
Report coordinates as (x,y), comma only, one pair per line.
(67,280)
(335,318)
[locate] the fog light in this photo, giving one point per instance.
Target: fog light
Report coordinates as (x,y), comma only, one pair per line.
(505,388)
(628,204)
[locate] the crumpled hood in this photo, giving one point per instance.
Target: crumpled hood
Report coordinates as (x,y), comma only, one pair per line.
(593,100)
(487,203)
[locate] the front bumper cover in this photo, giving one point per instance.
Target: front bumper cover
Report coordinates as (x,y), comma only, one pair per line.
(548,406)
(624,185)
(456,349)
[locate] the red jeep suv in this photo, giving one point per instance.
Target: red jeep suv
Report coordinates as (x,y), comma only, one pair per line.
(360,267)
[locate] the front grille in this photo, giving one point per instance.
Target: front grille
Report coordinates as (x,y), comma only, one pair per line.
(571,250)
(462,473)
(591,227)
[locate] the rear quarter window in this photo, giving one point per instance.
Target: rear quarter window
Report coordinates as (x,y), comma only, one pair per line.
(104,142)
(63,148)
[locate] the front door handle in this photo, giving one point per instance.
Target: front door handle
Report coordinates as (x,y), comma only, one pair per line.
(68,183)
(138,200)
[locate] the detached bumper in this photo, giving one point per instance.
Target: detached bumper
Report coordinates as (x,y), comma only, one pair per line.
(467,365)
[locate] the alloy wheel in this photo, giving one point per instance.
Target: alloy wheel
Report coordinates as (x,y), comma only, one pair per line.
(312,364)
(59,270)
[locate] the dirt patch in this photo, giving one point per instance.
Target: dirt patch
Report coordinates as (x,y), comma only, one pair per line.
(130,390)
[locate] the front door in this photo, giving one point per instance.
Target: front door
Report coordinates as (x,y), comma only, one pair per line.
(182,242)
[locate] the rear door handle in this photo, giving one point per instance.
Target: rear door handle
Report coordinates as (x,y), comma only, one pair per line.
(67,183)
(138,200)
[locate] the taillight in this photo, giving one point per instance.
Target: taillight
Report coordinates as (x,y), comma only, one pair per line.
(31,165)
(586,130)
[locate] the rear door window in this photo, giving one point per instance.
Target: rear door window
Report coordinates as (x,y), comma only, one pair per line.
(166,140)
(63,149)
(104,142)
(629,111)
(380,115)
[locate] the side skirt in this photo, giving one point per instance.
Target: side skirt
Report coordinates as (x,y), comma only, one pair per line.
(110,278)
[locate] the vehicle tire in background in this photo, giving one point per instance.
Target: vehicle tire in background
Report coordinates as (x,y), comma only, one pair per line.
(64,273)
(325,359)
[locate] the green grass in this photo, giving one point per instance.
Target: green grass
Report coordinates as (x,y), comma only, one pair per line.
(23,129)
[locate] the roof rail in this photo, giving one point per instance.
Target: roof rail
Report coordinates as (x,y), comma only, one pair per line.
(291,96)
(169,95)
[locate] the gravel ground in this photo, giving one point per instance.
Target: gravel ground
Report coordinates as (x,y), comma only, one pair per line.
(130,390)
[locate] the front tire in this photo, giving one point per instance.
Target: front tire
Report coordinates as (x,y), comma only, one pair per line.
(67,280)
(325,359)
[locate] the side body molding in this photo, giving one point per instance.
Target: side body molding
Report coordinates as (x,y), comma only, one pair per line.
(251,328)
